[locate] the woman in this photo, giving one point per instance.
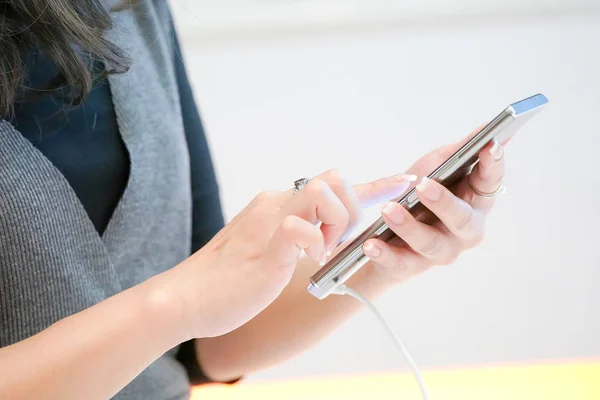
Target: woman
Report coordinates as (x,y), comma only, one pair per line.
(117,274)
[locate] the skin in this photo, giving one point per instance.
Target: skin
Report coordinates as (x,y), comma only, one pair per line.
(243,296)
(288,326)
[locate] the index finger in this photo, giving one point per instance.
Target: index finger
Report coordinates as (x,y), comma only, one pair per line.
(383,190)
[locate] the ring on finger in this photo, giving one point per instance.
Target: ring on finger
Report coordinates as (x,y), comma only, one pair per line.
(300,183)
(501,189)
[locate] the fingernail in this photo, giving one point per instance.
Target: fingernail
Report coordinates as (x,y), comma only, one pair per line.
(404,178)
(331,248)
(393,213)
(497,151)
(323,259)
(371,250)
(430,190)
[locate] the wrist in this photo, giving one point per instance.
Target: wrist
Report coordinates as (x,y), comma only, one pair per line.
(162,307)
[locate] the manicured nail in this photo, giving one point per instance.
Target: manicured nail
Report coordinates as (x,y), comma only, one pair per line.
(371,250)
(331,248)
(323,259)
(497,151)
(430,190)
(393,212)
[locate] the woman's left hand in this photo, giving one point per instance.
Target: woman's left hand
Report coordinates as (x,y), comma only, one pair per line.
(460,213)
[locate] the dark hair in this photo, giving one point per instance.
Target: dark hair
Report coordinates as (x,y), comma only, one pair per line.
(70,33)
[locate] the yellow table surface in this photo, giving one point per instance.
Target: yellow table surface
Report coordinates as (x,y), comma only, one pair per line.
(564,381)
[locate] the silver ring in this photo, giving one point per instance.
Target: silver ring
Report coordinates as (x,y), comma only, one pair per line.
(299,184)
(501,189)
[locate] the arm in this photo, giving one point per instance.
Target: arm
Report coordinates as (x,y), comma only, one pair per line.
(295,322)
(236,276)
(75,358)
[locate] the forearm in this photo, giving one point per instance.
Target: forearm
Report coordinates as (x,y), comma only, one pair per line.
(293,323)
(95,353)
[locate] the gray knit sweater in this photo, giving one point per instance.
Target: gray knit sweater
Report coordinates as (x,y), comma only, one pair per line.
(53,263)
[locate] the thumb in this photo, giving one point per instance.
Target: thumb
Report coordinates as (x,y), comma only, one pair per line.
(383,190)
(293,235)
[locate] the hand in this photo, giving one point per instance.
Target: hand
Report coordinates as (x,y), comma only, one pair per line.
(460,216)
(249,262)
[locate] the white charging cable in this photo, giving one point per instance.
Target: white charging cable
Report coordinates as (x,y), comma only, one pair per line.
(343,290)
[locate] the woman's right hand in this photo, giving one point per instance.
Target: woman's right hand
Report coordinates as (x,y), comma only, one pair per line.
(216,290)
(250,261)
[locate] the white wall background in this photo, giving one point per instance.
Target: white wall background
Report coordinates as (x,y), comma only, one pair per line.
(369,96)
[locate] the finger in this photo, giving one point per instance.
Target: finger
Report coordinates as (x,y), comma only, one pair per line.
(423,239)
(294,235)
(487,176)
(316,203)
(383,190)
(344,191)
(403,262)
(456,214)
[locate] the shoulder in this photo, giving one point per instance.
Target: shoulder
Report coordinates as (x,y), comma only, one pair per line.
(162,15)
(144,29)
(147,14)
(163,12)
